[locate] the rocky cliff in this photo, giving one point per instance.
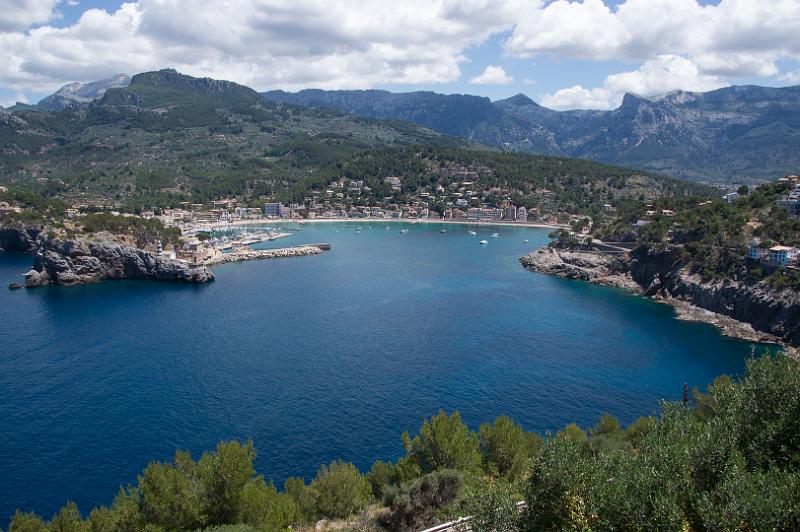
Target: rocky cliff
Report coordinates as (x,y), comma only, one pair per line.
(662,273)
(83,261)
(753,311)
(19,237)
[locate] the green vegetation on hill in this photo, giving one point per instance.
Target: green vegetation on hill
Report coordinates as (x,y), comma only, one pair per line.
(553,183)
(728,459)
(36,207)
(168,138)
(714,236)
(143,231)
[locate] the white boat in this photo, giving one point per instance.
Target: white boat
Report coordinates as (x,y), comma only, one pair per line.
(526,240)
(403,231)
(473,233)
(443,231)
(495,235)
(484,242)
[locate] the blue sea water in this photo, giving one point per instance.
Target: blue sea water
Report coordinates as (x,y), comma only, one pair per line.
(323,357)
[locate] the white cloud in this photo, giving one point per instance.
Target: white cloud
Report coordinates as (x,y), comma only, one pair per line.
(681,43)
(263,43)
(792,77)
(294,44)
(735,37)
(577,98)
(18,97)
(663,74)
(19,15)
(493,75)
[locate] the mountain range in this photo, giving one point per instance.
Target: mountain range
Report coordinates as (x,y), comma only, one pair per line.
(168,137)
(735,134)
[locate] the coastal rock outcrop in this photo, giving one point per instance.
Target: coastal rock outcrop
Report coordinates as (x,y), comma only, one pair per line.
(19,237)
(595,268)
(752,311)
(83,261)
(767,309)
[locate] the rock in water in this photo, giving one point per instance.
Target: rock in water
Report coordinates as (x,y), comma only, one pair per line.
(84,261)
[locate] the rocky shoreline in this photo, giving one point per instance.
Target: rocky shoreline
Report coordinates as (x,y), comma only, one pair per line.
(78,260)
(752,313)
(68,262)
(20,237)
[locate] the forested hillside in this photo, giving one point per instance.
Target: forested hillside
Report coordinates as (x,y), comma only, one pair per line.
(168,137)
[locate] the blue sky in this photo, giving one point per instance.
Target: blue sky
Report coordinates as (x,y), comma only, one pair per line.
(562,53)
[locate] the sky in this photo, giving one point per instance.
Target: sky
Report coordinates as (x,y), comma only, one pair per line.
(564,54)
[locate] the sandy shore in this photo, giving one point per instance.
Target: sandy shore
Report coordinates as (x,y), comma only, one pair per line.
(245,223)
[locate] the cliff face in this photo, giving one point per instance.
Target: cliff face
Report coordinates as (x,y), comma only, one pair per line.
(19,237)
(585,266)
(79,261)
(664,275)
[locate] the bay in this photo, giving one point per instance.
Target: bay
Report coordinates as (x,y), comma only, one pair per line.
(323,357)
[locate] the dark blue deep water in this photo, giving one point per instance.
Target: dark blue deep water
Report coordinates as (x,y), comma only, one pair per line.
(323,357)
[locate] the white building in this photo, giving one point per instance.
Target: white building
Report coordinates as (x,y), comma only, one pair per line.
(730,197)
(522,214)
(477,214)
(393,181)
(782,256)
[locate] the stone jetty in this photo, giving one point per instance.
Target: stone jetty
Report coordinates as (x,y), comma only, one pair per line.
(255,254)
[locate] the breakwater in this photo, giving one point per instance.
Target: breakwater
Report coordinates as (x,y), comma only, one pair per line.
(256,254)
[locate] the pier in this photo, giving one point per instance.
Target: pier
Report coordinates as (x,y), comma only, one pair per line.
(250,239)
(278,253)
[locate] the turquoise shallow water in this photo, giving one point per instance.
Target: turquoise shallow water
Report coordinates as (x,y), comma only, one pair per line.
(322,357)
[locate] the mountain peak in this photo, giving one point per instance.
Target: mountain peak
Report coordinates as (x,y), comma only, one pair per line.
(168,87)
(519,100)
(631,99)
(75,94)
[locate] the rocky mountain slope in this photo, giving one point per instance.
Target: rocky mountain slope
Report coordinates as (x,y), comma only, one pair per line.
(735,134)
(73,95)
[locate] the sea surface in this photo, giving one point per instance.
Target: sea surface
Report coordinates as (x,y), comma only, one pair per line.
(323,357)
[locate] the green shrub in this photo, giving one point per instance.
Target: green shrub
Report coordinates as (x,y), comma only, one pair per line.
(444,442)
(341,490)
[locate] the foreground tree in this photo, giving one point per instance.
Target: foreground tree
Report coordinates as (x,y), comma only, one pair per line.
(507,450)
(342,490)
(444,442)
